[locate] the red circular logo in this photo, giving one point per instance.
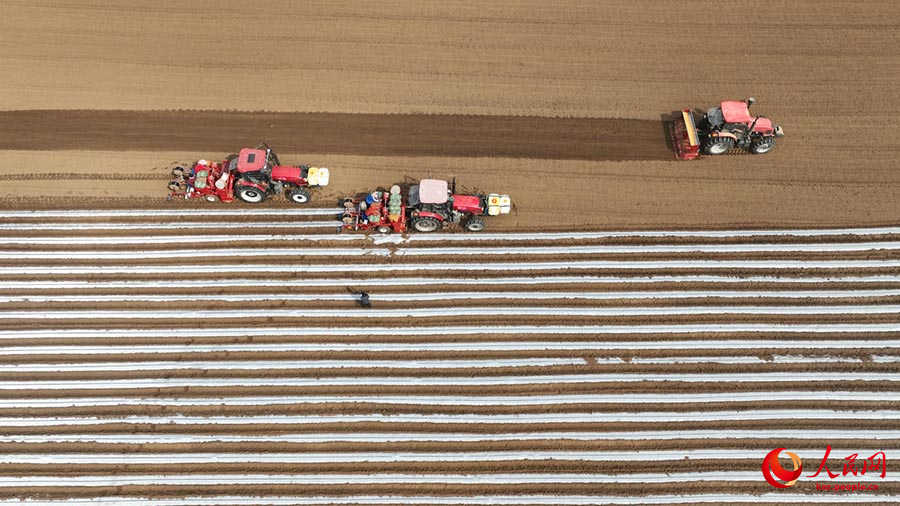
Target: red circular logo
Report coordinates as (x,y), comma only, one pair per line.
(770,466)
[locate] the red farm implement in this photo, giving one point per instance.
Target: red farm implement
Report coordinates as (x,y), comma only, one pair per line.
(253,175)
(427,207)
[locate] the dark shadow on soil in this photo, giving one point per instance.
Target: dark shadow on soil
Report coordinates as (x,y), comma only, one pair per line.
(338,133)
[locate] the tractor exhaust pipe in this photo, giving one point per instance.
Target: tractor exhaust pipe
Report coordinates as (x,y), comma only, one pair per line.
(750,102)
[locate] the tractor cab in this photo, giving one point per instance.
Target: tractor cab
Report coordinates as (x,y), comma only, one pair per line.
(734,111)
(253,164)
(734,116)
(731,115)
(252,160)
(430,195)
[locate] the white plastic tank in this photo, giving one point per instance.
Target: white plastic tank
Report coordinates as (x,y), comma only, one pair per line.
(498,204)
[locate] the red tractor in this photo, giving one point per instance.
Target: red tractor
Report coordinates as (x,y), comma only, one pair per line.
(723,128)
(427,207)
(253,175)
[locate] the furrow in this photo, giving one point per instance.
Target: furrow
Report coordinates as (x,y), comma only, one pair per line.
(362,381)
(384,478)
(632,265)
(324,365)
(447,296)
(207,251)
(460,400)
(514,419)
(399,456)
(147,438)
(217,314)
(398,281)
(573,330)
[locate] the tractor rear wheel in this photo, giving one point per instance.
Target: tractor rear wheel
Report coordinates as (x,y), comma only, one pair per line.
(299,196)
(426,224)
(762,146)
(475,224)
(718,145)
(250,194)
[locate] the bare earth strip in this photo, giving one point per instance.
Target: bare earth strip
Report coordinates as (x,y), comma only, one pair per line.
(342,134)
(737,191)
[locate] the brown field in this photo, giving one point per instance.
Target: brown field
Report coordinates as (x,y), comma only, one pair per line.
(819,68)
(564,105)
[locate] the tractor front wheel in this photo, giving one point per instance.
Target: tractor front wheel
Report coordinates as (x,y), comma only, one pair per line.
(250,194)
(299,196)
(475,224)
(718,145)
(426,224)
(762,146)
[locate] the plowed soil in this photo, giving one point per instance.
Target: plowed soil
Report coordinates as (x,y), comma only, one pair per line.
(342,134)
(490,94)
(564,105)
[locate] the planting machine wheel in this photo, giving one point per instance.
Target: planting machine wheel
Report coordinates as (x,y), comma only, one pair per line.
(763,145)
(178,171)
(174,186)
(426,224)
(474,224)
(250,194)
(384,229)
(211,198)
(718,145)
(298,196)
